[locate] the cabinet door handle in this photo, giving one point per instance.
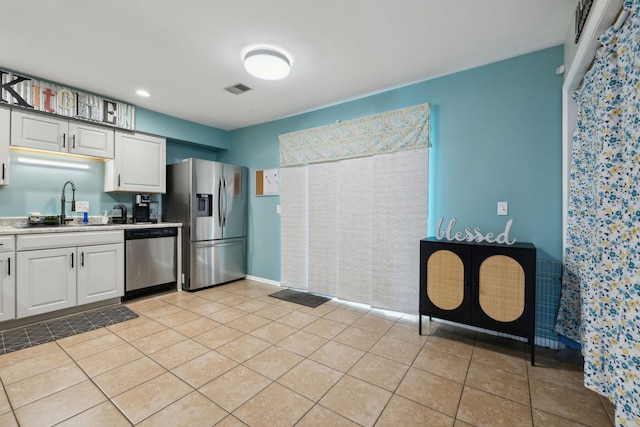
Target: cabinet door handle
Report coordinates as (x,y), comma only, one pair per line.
(71,259)
(64,140)
(118,180)
(8,266)
(82,259)
(3,171)
(74,142)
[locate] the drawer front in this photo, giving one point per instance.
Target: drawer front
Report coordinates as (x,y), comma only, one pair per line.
(61,240)
(7,243)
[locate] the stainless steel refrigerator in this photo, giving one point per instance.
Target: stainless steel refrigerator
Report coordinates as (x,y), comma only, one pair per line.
(210,200)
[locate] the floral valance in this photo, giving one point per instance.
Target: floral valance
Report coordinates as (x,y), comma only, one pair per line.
(398,130)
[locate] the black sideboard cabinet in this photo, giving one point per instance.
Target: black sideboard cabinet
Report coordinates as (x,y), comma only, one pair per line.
(487,285)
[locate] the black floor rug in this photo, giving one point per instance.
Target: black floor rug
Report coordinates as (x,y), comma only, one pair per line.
(28,336)
(302,298)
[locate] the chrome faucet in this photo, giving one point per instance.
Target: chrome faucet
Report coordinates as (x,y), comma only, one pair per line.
(63,216)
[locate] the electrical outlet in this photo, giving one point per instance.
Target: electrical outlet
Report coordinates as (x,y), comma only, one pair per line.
(503,208)
(82,206)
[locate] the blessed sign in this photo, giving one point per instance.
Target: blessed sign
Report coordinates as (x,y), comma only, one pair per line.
(50,98)
(475,235)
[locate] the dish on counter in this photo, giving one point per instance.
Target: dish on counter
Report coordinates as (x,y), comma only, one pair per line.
(35,218)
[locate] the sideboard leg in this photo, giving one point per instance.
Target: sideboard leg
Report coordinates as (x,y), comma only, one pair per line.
(420,323)
(533,351)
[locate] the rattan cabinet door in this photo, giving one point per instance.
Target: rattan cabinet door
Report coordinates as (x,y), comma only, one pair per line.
(504,288)
(444,280)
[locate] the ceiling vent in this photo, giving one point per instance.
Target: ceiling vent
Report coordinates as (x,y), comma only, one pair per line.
(237,89)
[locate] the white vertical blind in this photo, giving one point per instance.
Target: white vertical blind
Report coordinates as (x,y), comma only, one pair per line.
(362,185)
(400,221)
(323,228)
(366,217)
(294,227)
(355,200)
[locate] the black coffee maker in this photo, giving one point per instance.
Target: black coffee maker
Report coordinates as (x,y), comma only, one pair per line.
(143,211)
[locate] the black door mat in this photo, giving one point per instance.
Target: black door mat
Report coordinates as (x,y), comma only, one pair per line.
(19,338)
(299,297)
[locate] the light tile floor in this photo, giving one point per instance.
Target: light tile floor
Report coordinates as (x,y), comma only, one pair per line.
(233,356)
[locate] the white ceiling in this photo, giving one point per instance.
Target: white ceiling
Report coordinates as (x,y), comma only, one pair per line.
(185,52)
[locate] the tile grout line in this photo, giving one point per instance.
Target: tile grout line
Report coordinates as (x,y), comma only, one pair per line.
(530,392)
(108,399)
(303,359)
(343,374)
(411,400)
(6,395)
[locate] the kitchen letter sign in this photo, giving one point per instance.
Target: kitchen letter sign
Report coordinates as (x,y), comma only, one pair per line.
(50,98)
(475,235)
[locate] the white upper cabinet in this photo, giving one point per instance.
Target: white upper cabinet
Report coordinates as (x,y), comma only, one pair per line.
(5,137)
(91,140)
(139,164)
(52,133)
(38,131)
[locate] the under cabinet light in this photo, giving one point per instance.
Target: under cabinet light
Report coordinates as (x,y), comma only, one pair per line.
(53,163)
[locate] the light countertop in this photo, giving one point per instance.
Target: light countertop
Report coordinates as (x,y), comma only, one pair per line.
(9,226)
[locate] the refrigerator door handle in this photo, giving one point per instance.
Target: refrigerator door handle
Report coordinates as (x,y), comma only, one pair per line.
(224,180)
(217,245)
(220,218)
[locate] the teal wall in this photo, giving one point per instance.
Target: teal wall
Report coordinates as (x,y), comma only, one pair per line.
(178,151)
(257,148)
(36,188)
(181,130)
(496,134)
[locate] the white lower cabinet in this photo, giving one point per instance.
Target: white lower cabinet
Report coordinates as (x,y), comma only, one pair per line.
(52,278)
(100,273)
(7,279)
(46,281)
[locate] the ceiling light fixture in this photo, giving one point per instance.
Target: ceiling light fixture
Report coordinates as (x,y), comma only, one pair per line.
(143,93)
(267,64)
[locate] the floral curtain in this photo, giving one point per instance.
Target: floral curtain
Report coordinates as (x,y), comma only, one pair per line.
(600,305)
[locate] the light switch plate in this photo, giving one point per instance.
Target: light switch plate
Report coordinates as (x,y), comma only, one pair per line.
(82,206)
(503,208)
(278,209)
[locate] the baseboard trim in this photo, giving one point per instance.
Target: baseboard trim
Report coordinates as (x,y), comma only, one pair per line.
(263,280)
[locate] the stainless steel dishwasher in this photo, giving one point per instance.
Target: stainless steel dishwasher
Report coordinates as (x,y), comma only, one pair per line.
(150,259)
